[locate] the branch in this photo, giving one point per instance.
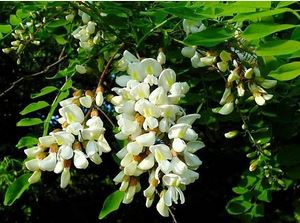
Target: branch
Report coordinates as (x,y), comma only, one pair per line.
(13,84)
(105,71)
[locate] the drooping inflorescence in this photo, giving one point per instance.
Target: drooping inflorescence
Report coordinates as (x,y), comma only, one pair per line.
(80,138)
(241,73)
(161,141)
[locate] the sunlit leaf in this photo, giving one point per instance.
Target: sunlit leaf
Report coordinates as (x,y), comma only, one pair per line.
(286,72)
(278,47)
(29,122)
(34,107)
(111,203)
(16,189)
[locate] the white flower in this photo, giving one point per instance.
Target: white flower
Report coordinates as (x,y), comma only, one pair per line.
(151,66)
(188,51)
(173,181)
(136,72)
(141,91)
(80,69)
(161,58)
(259,94)
(196,61)
(63,137)
(80,161)
(46,141)
(167,78)
(71,113)
(93,151)
(192,26)
(65,177)
(75,128)
(65,152)
(158,96)
(163,155)
(49,162)
(86,101)
(161,206)
(146,139)
(90,28)
(85,18)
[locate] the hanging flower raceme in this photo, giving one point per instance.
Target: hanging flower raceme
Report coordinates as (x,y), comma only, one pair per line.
(161,140)
(80,139)
(242,81)
(86,34)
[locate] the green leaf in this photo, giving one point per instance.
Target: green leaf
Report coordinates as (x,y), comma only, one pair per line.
(183,12)
(57,23)
(258,210)
(67,72)
(237,206)
(21,13)
(111,203)
(5,28)
(284,4)
(60,39)
(259,30)
(286,72)
(278,47)
(265,195)
(209,37)
(240,190)
(14,20)
(16,189)
(29,122)
(62,94)
(296,34)
(44,91)
(27,141)
(254,16)
(34,107)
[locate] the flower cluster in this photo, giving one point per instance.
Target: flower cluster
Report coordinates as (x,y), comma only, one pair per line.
(86,34)
(161,141)
(239,78)
(238,75)
(25,34)
(80,138)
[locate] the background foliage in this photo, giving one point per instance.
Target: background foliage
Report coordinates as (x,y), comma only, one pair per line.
(227,190)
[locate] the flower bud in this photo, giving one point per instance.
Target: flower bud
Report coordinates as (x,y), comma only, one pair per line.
(225,56)
(253,166)
(188,52)
(70,17)
(35,177)
(80,69)
(6,50)
(85,18)
(248,73)
(231,134)
(161,58)
(222,66)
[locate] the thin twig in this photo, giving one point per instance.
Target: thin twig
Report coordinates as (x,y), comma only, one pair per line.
(169,209)
(173,216)
(107,117)
(105,71)
(13,84)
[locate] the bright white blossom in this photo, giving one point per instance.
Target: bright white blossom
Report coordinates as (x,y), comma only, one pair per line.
(161,140)
(81,139)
